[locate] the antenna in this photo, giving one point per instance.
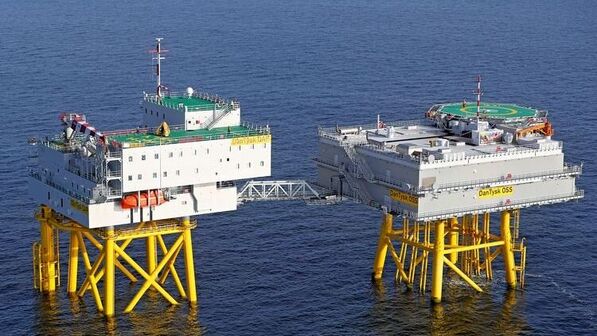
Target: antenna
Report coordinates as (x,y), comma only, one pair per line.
(158,58)
(478,92)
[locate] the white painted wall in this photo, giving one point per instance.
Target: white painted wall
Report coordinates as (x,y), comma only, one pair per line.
(193,163)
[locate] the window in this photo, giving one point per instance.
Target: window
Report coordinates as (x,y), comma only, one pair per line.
(145,111)
(178,173)
(180,153)
(49,192)
(227,159)
(130,159)
(230,149)
(239,148)
(249,164)
(170,154)
(139,176)
(238,165)
(253,146)
(207,151)
(164,116)
(156,156)
(143,157)
(196,170)
(165,174)
(130,177)
(262,163)
(195,152)
(155,175)
(61,202)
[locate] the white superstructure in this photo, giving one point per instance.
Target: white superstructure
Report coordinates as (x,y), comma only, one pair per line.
(448,165)
(184,162)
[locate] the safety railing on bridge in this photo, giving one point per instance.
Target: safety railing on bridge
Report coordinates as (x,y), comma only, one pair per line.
(281,191)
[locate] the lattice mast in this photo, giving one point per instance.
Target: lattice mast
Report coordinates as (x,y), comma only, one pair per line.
(478,92)
(158,59)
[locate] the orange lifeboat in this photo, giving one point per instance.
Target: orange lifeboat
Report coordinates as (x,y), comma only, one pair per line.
(155,197)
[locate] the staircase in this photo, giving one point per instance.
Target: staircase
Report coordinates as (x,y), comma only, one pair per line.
(227,109)
(360,192)
(362,168)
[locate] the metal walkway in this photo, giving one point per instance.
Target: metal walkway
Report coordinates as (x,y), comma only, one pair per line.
(282,191)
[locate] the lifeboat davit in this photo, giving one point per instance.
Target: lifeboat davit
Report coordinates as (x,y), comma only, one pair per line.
(155,197)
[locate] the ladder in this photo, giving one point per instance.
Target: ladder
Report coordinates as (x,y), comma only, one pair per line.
(520,267)
(38,265)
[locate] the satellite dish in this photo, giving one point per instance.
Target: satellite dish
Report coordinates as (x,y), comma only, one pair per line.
(190,91)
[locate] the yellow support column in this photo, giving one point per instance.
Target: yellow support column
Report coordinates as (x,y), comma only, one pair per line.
(507,251)
(48,255)
(188,260)
(73,263)
(150,245)
(109,273)
(454,239)
(437,271)
(382,246)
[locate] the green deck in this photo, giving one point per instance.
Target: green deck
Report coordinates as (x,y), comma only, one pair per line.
(491,110)
(193,103)
(176,136)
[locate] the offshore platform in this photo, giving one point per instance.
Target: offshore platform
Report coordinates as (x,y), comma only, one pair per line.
(108,189)
(443,177)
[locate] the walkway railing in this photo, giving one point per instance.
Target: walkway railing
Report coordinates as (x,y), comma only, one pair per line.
(277,191)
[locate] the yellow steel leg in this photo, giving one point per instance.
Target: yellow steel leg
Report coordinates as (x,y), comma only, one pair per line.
(150,245)
(453,239)
(507,251)
(109,273)
(48,255)
(382,246)
(437,271)
(73,263)
(188,260)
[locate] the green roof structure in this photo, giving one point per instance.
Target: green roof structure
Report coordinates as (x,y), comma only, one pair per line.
(148,138)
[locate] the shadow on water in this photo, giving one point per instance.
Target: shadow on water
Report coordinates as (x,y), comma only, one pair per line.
(59,314)
(399,311)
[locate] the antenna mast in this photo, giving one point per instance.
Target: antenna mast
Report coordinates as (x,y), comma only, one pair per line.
(478,92)
(158,58)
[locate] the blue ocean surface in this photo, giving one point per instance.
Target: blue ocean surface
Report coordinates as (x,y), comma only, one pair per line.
(288,268)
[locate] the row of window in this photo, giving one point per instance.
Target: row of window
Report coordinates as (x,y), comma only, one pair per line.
(165,173)
(180,154)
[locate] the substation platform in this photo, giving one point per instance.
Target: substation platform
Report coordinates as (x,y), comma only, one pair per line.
(442,177)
